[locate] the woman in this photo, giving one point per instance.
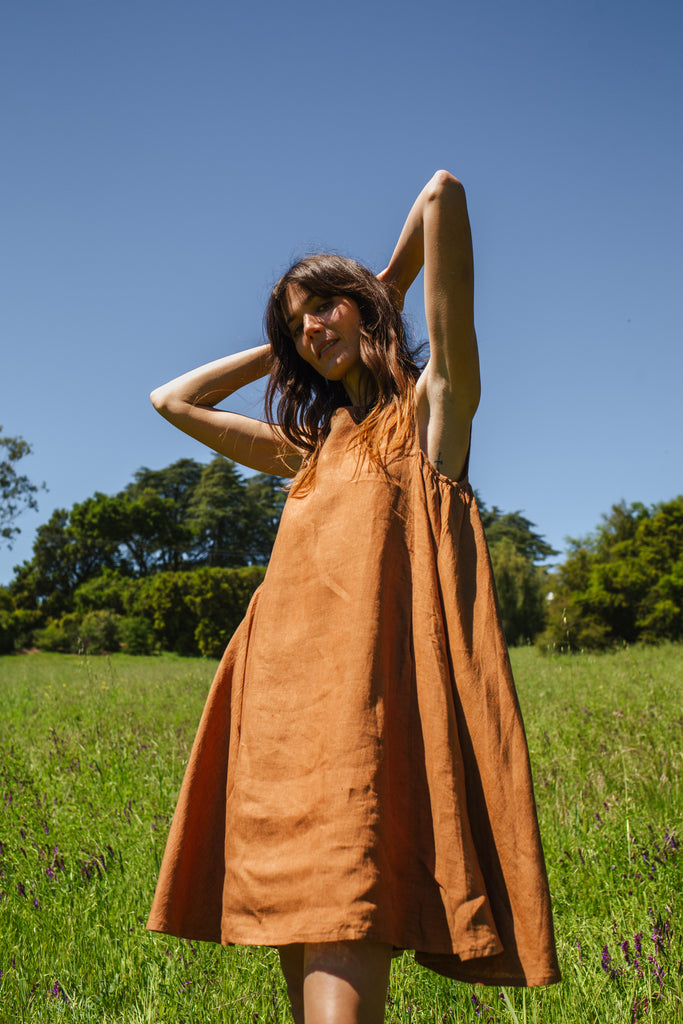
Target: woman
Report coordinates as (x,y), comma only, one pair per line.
(360,779)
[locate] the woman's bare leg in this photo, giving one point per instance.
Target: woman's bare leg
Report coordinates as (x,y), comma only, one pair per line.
(292,963)
(346,982)
(337,982)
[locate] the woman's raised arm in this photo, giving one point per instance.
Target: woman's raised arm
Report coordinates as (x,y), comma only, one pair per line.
(188,403)
(437,233)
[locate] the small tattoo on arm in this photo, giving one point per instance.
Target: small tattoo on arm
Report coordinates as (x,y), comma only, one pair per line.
(439,462)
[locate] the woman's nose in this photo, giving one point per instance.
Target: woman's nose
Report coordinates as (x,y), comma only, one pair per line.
(311,324)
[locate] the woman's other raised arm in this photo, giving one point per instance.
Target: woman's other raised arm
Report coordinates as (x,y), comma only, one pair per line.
(437,233)
(188,403)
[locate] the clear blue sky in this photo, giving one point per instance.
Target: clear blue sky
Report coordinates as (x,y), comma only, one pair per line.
(163,162)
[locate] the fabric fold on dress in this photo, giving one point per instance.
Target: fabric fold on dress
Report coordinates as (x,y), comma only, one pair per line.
(361,768)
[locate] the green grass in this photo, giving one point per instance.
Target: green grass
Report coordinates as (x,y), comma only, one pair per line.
(91,757)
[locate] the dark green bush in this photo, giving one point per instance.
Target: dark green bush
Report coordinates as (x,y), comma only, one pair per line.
(17,628)
(56,636)
(136,635)
(189,613)
(109,590)
(219,599)
(98,632)
(196,612)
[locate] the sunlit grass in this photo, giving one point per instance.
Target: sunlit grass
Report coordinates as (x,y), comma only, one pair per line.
(92,752)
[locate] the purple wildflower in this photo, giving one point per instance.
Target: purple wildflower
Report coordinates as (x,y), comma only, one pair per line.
(606,963)
(57,992)
(581,856)
(657,937)
(36,904)
(606,960)
(670,840)
(21,889)
(625,951)
(476,1004)
(638,1006)
(659,971)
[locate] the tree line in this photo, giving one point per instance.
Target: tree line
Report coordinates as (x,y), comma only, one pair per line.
(171,561)
(622,584)
(168,563)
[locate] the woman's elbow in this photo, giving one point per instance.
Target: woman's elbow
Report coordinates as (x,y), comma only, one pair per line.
(444,184)
(159,399)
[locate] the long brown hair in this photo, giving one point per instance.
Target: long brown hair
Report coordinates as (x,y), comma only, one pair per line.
(301,402)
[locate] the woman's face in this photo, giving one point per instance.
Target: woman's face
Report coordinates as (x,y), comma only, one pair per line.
(326,333)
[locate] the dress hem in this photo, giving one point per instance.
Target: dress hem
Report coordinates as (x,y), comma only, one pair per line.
(450,964)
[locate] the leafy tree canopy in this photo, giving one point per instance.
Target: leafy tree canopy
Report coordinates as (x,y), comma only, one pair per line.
(182,517)
(515,528)
(517,553)
(17,492)
(623,583)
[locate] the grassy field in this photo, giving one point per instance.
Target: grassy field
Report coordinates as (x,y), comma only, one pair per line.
(91,757)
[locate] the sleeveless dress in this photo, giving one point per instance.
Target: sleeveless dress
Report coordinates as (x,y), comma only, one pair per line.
(361,768)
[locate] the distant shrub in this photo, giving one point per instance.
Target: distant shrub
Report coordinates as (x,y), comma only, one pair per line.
(6,633)
(55,637)
(110,590)
(17,628)
(621,585)
(98,632)
(189,613)
(570,631)
(135,635)
(196,612)
(161,600)
(219,599)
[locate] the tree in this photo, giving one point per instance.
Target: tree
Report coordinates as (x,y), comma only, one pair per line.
(176,485)
(521,587)
(234,521)
(513,526)
(517,552)
(267,496)
(220,516)
(622,584)
(64,556)
(179,518)
(143,529)
(17,492)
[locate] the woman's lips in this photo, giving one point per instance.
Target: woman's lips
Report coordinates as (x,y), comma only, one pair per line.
(326,347)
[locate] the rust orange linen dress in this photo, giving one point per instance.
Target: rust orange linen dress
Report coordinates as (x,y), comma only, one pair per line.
(361,768)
